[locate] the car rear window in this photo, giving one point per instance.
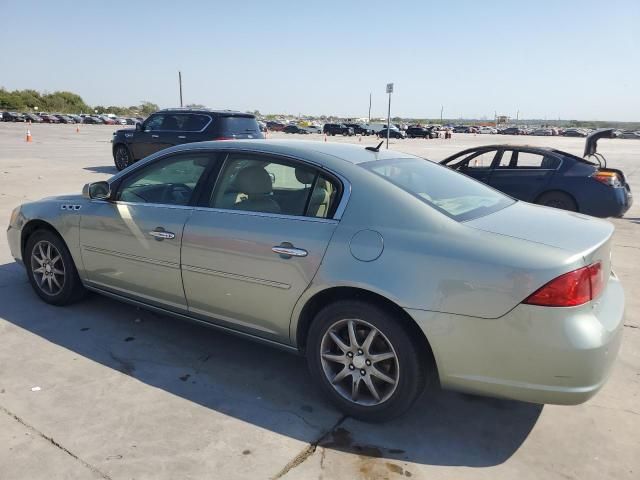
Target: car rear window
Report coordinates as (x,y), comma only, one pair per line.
(238,125)
(453,194)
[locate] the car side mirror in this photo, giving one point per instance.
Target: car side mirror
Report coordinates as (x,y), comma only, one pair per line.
(97,191)
(138,127)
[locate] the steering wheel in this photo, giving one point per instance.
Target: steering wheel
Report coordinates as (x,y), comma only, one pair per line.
(177,193)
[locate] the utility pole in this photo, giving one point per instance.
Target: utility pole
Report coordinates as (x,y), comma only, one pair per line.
(369,107)
(389,91)
(441,110)
(180,84)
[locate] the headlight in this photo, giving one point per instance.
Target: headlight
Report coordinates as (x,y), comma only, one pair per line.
(13,221)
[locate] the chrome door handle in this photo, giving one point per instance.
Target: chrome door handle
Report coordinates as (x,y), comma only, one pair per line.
(154,136)
(182,136)
(287,252)
(161,234)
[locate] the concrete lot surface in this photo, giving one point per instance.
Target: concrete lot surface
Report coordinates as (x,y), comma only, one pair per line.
(127,394)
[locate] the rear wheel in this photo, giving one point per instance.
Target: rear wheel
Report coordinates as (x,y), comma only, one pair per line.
(559,200)
(365,361)
(121,157)
(51,270)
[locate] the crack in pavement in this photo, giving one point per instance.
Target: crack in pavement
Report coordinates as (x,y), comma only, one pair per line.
(55,444)
(307,452)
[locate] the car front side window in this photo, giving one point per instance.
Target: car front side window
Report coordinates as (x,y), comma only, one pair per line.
(170,181)
(153,123)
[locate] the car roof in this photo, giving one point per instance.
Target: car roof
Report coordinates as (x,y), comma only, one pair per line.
(205,110)
(322,153)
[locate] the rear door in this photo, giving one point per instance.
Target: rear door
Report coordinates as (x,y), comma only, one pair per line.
(192,128)
(524,174)
(256,241)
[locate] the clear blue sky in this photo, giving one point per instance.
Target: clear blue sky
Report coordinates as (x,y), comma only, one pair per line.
(572,59)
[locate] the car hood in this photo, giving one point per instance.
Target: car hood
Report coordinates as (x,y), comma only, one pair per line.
(123,131)
(64,198)
(569,231)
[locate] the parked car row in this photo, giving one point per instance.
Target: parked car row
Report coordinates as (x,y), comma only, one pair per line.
(43,117)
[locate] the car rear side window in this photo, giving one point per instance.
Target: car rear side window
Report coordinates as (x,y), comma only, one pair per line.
(536,160)
(455,195)
(264,184)
(238,125)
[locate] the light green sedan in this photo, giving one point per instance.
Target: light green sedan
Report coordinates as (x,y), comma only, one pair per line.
(386,270)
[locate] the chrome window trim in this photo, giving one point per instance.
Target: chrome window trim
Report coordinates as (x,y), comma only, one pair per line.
(185,131)
(220,210)
(346,184)
(269,215)
(337,216)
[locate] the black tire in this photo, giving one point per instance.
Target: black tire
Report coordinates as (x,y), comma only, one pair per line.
(122,157)
(559,200)
(411,368)
(71,289)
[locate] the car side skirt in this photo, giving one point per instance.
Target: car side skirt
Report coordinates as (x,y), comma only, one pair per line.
(162,311)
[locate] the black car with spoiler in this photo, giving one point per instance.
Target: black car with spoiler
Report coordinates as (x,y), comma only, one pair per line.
(550,177)
(175,126)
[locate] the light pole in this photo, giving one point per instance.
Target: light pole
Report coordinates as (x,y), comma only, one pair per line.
(441,110)
(180,85)
(389,91)
(369,107)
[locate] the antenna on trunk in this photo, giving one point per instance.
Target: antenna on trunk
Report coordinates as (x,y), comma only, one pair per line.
(374,149)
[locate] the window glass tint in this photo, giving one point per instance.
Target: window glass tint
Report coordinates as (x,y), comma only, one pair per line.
(154,122)
(482,160)
(169,181)
(238,124)
(505,161)
(262,184)
(455,195)
(193,122)
(535,160)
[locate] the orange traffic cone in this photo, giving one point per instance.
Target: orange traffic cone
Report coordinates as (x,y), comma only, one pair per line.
(360,138)
(29,138)
(325,137)
(77,128)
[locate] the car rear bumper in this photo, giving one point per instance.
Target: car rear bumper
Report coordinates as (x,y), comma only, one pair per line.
(534,354)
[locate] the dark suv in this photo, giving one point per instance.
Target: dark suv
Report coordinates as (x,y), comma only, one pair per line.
(420,132)
(337,129)
(360,128)
(174,126)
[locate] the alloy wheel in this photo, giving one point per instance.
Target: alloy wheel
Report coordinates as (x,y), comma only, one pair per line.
(359,362)
(47,268)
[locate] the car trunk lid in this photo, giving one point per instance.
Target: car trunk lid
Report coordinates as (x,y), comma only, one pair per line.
(580,235)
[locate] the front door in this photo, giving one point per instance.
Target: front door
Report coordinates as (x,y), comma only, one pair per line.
(131,244)
(255,245)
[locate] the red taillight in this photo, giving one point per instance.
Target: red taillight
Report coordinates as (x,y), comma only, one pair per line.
(612,179)
(571,289)
(223,138)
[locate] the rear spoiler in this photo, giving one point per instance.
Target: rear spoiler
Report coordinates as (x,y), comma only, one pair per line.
(591,144)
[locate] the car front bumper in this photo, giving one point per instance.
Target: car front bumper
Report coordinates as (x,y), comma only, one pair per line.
(534,354)
(13,237)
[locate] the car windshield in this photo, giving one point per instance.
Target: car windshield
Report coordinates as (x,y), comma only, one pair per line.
(449,192)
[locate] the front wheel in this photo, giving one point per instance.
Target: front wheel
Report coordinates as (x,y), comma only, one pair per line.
(121,157)
(51,270)
(365,361)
